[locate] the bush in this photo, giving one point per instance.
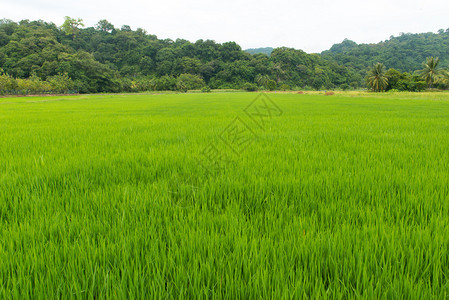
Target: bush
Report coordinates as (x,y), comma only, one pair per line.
(60,83)
(249,87)
(191,82)
(142,84)
(206,89)
(344,87)
(271,85)
(7,83)
(284,87)
(166,83)
(181,87)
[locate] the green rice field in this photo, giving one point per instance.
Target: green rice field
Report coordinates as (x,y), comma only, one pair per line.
(225,196)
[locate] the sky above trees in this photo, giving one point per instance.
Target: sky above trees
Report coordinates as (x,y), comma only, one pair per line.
(312,26)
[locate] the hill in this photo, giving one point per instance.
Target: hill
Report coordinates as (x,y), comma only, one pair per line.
(109,59)
(406,52)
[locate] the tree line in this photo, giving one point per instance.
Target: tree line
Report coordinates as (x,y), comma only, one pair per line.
(34,55)
(104,58)
(431,76)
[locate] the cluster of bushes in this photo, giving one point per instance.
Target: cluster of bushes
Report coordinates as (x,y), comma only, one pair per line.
(58,84)
(62,84)
(183,83)
(106,59)
(398,81)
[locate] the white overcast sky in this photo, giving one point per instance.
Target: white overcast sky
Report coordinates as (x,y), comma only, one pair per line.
(313,25)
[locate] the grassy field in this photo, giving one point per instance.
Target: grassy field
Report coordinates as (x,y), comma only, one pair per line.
(198,195)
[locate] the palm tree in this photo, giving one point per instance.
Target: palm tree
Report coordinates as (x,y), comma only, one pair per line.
(376,79)
(431,72)
(262,80)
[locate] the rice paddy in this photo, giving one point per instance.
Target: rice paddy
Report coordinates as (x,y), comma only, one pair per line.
(217,196)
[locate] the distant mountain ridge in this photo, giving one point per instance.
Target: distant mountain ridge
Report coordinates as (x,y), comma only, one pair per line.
(405,53)
(265,50)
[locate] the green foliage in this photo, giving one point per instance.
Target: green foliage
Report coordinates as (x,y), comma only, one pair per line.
(100,58)
(142,84)
(206,89)
(404,53)
(60,83)
(107,59)
(376,78)
(271,85)
(345,87)
(431,72)
(250,87)
(166,83)
(7,83)
(262,80)
(72,26)
(404,81)
(191,82)
(104,26)
(284,87)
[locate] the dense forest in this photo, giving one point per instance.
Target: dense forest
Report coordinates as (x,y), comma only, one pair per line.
(405,53)
(36,56)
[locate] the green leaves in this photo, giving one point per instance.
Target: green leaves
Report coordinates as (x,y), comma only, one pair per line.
(431,73)
(376,79)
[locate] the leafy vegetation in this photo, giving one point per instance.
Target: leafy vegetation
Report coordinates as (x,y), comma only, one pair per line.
(340,197)
(104,58)
(107,59)
(405,53)
(431,71)
(376,79)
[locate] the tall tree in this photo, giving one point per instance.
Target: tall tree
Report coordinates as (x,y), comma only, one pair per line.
(431,72)
(72,26)
(376,79)
(262,80)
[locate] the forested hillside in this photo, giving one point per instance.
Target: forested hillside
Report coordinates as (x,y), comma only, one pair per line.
(405,53)
(37,56)
(108,59)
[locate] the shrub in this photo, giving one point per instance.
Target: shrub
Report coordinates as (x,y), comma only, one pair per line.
(206,89)
(7,84)
(142,84)
(271,85)
(60,83)
(345,86)
(284,87)
(191,82)
(166,83)
(250,87)
(181,87)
